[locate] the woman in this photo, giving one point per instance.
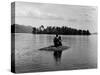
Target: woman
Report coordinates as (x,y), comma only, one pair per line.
(60,43)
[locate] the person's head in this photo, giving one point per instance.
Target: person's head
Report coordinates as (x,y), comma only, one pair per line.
(60,37)
(56,35)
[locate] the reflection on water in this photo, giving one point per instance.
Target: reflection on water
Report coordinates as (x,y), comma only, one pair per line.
(57,56)
(82,53)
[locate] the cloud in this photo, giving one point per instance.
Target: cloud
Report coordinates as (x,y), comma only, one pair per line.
(36,13)
(51,16)
(72,20)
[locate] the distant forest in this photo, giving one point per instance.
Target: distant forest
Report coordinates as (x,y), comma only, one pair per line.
(59,30)
(16,28)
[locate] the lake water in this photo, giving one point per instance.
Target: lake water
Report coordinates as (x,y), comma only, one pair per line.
(82,53)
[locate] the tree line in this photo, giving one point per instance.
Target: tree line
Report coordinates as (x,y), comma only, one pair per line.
(59,30)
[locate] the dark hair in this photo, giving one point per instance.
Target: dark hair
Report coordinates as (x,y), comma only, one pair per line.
(57,35)
(60,37)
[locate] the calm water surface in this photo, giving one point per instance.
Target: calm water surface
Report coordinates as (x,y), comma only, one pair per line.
(82,53)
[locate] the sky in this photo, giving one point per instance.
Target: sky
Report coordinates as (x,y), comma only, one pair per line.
(74,16)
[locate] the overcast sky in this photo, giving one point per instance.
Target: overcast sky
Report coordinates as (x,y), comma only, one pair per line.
(36,14)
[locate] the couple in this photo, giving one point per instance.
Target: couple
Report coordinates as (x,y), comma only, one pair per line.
(57,41)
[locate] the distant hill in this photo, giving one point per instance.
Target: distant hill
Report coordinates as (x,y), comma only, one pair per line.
(15,28)
(95,33)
